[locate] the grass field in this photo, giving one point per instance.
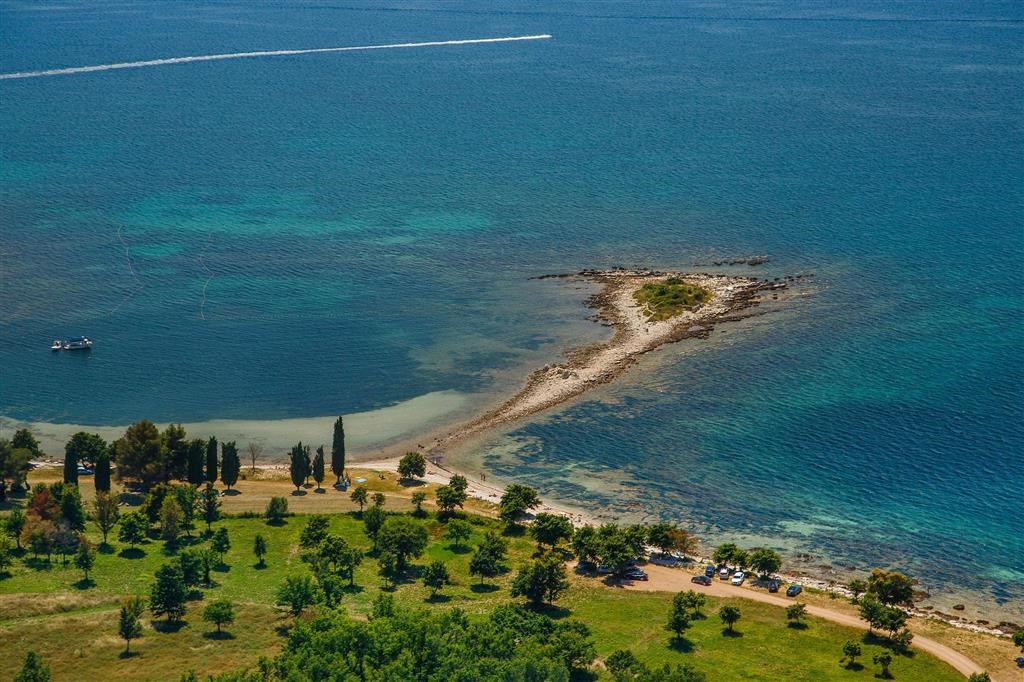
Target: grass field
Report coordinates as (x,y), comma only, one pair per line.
(664,300)
(73,625)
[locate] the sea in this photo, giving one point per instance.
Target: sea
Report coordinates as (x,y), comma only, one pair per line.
(278,240)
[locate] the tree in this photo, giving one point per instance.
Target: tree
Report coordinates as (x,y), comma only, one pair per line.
(84,448)
(335,554)
(255,452)
(338,449)
(170,519)
(191,566)
(297,592)
(516,500)
(277,509)
(72,512)
(979,677)
(729,615)
(892,588)
(196,461)
(543,579)
(211,460)
(297,464)
(1018,639)
(5,555)
(168,594)
(435,577)
(404,537)
(220,612)
(765,562)
(892,620)
(447,499)
(70,467)
(209,504)
(585,544)
(549,529)
(373,521)
(85,558)
(690,602)
(678,618)
(175,440)
(15,464)
(230,464)
(458,531)
(33,669)
(418,498)
(40,536)
(65,542)
(857,587)
(101,479)
(360,496)
(141,454)
(851,650)
(315,531)
(220,543)
(15,524)
(187,499)
(24,440)
(412,465)
(871,610)
(883,660)
(134,527)
(614,551)
(635,536)
(318,467)
(379,499)
(128,626)
(259,548)
(795,612)
(106,512)
(723,554)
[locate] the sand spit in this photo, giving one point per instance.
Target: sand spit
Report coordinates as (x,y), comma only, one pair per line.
(586,368)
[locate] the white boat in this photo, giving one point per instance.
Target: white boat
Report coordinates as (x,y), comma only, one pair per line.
(57,344)
(78,343)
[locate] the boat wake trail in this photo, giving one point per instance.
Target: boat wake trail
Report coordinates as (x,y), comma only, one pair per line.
(267,53)
(131,269)
(202,304)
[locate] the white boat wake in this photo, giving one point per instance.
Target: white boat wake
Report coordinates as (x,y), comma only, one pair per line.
(267,53)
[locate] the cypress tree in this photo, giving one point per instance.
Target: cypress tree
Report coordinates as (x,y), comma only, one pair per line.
(196,454)
(338,449)
(230,464)
(70,466)
(211,460)
(318,467)
(102,477)
(298,465)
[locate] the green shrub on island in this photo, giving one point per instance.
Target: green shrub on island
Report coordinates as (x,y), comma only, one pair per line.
(664,300)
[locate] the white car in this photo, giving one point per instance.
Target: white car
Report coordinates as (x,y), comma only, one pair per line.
(738,577)
(723,574)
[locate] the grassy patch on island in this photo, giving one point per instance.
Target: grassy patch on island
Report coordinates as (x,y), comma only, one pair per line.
(666,299)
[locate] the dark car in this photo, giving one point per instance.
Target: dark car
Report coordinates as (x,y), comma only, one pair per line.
(709,571)
(773,585)
(634,574)
(701,580)
(794,590)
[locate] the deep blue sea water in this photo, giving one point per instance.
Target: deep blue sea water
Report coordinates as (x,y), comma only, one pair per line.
(322,234)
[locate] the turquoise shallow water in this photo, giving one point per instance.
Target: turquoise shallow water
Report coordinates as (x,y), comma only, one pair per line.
(302,236)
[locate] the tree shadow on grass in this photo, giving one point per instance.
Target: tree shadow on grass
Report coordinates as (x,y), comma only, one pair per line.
(231,493)
(793,625)
(194,595)
(353,589)
(553,612)
(680,645)
(131,553)
(438,598)
(320,491)
(128,654)
(276,522)
(853,667)
(514,531)
(299,493)
(168,626)
(84,584)
(218,635)
(260,566)
(411,482)
(105,548)
(578,675)
(734,634)
(486,588)
(222,568)
(38,564)
(460,549)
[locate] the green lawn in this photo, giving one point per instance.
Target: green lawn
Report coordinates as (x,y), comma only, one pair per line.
(74,625)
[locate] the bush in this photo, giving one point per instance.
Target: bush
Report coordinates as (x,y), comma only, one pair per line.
(277,509)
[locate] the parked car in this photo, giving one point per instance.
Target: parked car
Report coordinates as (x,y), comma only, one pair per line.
(794,590)
(709,571)
(1019,661)
(738,577)
(604,570)
(723,574)
(585,567)
(634,574)
(773,585)
(701,580)
(84,470)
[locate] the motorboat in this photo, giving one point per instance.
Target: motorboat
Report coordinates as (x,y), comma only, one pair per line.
(78,343)
(57,344)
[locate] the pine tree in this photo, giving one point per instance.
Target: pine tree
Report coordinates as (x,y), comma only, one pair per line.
(196,455)
(102,477)
(168,594)
(209,502)
(211,459)
(338,449)
(231,465)
(318,467)
(33,670)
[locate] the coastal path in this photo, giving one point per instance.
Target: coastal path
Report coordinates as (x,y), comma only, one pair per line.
(664,579)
